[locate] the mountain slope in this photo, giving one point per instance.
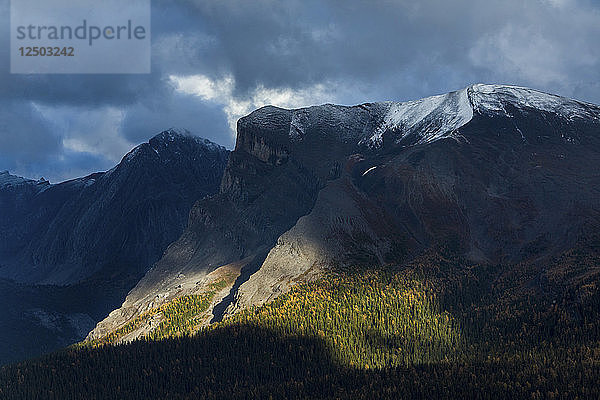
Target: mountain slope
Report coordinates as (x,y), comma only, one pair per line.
(491,173)
(506,185)
(436,327)
(83,244)
(123,217)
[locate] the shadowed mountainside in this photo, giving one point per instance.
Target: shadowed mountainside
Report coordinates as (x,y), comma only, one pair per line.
(70,252)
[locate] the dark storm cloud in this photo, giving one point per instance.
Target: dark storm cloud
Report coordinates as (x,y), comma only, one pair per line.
(393,46)
(347,51)
(25,139)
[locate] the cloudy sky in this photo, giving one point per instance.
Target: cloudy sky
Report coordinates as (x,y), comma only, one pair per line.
(214,61)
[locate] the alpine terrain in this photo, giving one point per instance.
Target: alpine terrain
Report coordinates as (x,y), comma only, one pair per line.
(70,252)
(446,247)
(495,174)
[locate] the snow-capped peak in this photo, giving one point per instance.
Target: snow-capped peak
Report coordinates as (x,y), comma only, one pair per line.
(170,135)
(494,98)
(440,117)
(169,142)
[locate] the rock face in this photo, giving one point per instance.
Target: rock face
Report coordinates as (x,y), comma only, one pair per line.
(89,241)
(492,173)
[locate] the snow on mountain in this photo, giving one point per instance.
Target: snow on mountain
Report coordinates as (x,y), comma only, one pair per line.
(172,134)
(171,138)
(433,117)
(6,179)
(439,117)
(494,98)
(299,184)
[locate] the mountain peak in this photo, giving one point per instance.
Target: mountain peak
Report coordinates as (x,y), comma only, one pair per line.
(6,179)
(169,142)
(494,98)
(181,134)
(439,117)
(172,134)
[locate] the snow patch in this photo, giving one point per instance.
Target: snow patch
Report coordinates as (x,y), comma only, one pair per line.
(172,134)
(132,154)
(439,117)
(427,120)
(369,170)
(494,98)
(299,120)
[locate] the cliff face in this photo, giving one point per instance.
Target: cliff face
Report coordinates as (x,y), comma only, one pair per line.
(493,173)
(263,192)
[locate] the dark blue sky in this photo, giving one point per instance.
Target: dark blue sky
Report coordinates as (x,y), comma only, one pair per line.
(214,61)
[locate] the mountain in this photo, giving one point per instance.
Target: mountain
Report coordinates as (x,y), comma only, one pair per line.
(441,248)
(70,252)
(497,175)
(61,234)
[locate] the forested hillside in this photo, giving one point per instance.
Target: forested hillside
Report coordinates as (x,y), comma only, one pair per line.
(437,328)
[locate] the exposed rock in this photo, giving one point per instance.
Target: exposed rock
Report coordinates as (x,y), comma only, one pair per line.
(492,173)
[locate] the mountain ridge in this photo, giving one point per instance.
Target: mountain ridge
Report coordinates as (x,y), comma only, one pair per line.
(484,194)
(85,242)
